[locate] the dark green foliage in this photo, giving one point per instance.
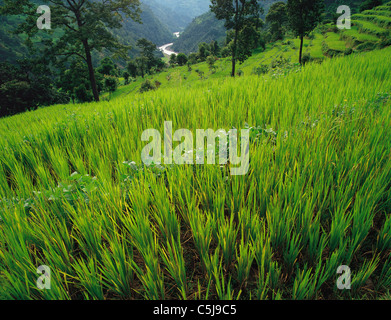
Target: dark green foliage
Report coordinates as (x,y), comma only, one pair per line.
(211,60)
(277,20)
(148,60)
(108,68)
(110,83)
(83,25)
(26,86)
(147,85)
(173,60)
(132,68)
(126,76)
(303,17)
(370,4)
(148,54)
(75,82)
(204,28)
(203,51)
(241,16)
(181,59)
(193,58)
(261,69)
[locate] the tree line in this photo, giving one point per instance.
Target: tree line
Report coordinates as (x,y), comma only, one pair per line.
(84,28)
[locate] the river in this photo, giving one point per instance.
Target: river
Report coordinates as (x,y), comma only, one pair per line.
(166,48)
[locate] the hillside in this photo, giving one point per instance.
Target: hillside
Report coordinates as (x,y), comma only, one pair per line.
(271,185)
(369,31)
(187,8)
(12,46)
(206,28)
(75,195)
(151,28)
(175,21)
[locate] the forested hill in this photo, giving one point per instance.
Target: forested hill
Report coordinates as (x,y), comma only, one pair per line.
(206,28)
(169,16)
(151,28)
(187,8)
(12,46)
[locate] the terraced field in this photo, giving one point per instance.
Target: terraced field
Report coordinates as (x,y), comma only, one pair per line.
(76,197)
(370,30)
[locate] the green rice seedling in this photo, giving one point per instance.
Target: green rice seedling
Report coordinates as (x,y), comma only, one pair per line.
(304,286)
(201,225)
(116,268)
(152,278)
(384,280)
(340,223)
(163,213)
(244,257)
(199,295)
(88,279)
(384,236)
(223,289)
(316,196)
(292,251)
(227,235)
(274,276)
(88,230)
(262,250)
(173,259)
(360,277)
(317,243)
(262,286)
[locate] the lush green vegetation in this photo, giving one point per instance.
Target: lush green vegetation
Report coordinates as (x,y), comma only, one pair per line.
(317,195)
(152,28)
(75,195)
(204,28)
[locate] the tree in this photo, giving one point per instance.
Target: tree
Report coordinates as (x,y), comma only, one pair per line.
(211,60)
(181,59)
(26,86)
(193,58)
(110,84)
(147,54)
(370,4)
(237,15)
(214,48)
(277,20)
(142,65)
(173,59)
(83,26)
(126,76)
(75,82)
(107,67)
(303,17)
(203,51)
(132,68)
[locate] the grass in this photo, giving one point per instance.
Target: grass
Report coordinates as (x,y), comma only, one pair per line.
(76,197)
(369,30)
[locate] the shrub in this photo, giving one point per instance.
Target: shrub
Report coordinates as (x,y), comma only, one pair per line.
(110,83)
(147,85)
(348,51)
(181,59)
(370,4)
(260,70)
(306,58)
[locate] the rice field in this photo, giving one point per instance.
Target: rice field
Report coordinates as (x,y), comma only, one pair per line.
(76,197)
(370,30)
